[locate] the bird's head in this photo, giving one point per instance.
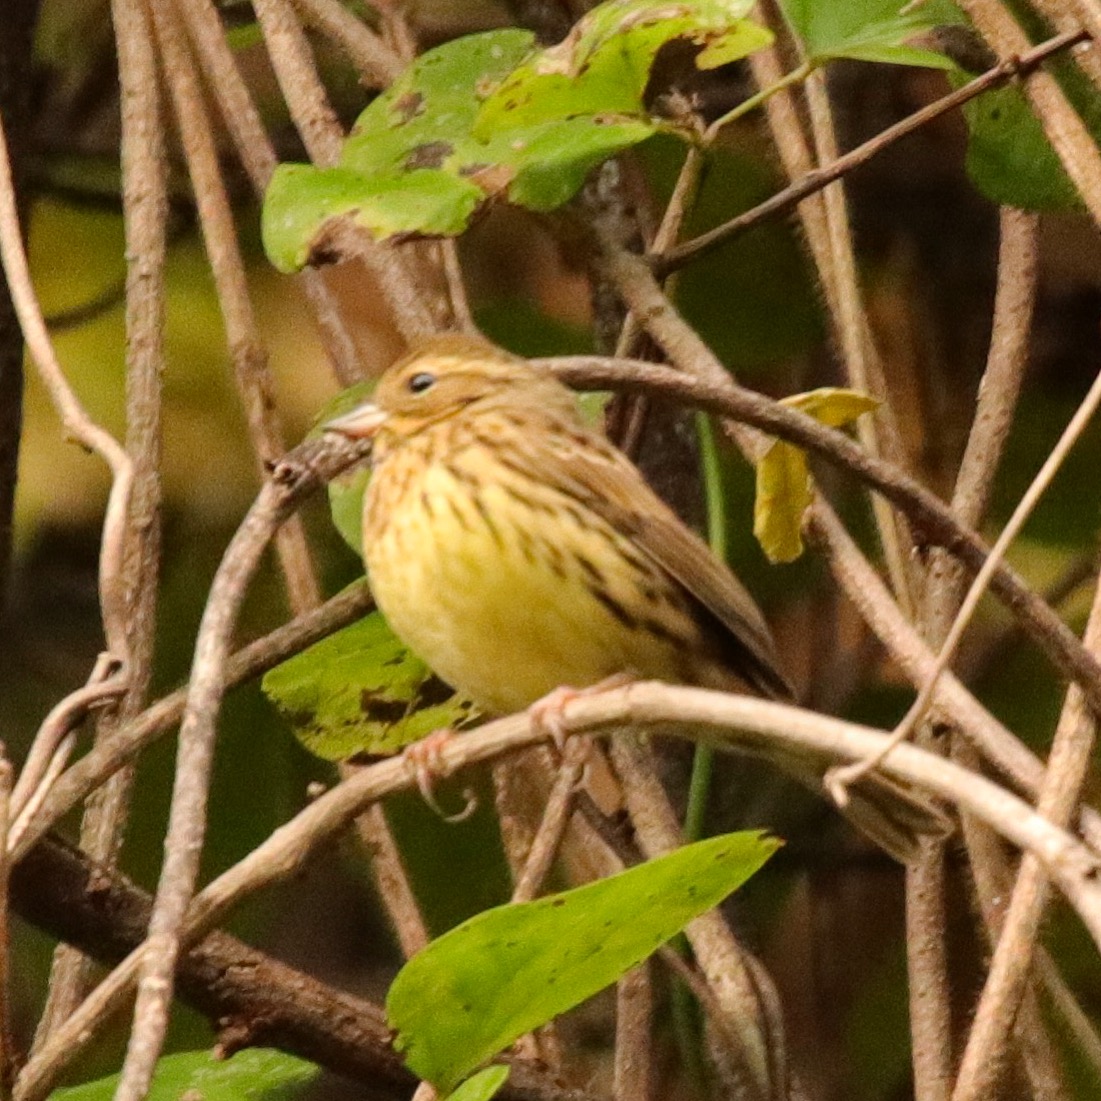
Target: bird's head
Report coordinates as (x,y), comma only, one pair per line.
(445,376)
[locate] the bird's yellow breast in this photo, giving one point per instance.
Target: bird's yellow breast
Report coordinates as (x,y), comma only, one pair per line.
(506,589)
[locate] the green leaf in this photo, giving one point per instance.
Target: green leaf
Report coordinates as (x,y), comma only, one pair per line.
(602,68)
(303,201)
(346,490)
(547,164)
(512,969)
(1009,159)
(255,1074)
(427,116)
(784,487)
(488,117)
(361,691)
(482,1086)
(866,30)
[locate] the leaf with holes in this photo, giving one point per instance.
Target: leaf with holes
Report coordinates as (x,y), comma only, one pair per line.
(361,691)
(602,69)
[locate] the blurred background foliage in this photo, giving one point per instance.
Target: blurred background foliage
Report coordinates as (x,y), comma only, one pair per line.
(826,914)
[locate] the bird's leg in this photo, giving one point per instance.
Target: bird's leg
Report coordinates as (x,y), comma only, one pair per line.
(425,760)
(546,714)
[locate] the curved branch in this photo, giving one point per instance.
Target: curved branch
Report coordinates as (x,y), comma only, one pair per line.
(932,519)
(738,723)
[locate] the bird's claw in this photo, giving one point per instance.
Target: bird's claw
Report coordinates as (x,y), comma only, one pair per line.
(424,759)
(547,714)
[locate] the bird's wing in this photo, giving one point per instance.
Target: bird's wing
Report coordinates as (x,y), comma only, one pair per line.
(585,466)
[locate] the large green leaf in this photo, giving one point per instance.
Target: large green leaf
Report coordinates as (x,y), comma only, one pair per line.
(602,68)
(1009,159)
(361,691)
(256,1074)
(784,488)
(867,30)
(490,117)
(471,993)
(302,201)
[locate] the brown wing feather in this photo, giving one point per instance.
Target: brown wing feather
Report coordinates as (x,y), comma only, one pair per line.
(586,466)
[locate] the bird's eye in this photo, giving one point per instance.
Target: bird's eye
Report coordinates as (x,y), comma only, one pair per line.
(421,382)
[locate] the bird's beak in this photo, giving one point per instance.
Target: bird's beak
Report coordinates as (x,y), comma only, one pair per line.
(360,424)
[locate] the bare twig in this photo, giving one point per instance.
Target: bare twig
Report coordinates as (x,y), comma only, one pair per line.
(926,900)
(187,817)
(145,211)
(860,359)
(76,422)
(556,817)
(321,132)
(730,721)
(256,658)
(7,1038)
(742,1021)
(1068,765)
(812,180)
(104,685)
(1064,129)
(1082,416)
(634,1007)
(250,359)
(394,887)
(377,64)
(253,998)
(258,156)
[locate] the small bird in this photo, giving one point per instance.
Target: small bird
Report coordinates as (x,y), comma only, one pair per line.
(515,550)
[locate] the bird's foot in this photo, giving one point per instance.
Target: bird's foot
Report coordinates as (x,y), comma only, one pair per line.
(424,759)
(547,714)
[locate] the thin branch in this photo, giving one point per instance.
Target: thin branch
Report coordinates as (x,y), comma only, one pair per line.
(1068,767)
(7,1038)
(1025,507)
(302,89)
(926,897)
(377,64)
(75,420)
(634,1056)
(104,686)
(1063,127)
(187,816)
(999,390)
(251,370)
(556,818)
(145,217)
(869,595)
(742,1020)
(257,154)
(730,721)
(320,131)
(936,523)
(250,661)
(253,999)
(17,100)
(391,877)
(813,180)
(860,359)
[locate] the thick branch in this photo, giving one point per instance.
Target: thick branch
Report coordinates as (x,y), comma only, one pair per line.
(253,998)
